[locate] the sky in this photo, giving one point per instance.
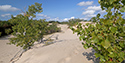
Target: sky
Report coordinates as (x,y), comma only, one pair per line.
(57,10)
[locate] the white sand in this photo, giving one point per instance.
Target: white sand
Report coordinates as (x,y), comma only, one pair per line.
(67,49)
(7,51)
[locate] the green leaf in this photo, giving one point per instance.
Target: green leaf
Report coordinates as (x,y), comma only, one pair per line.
(122,44)
(87,24)
(122,9)
(106,57)
(121,54)
(97,55)
(85,46)
(82,37)
(102,58)
(113,29)
(100,36)
(106,44)
(120,59)
(99,48)
(111,1)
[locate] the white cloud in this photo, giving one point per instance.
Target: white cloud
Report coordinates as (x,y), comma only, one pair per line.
(85,3)
(72,18)
(58,19)
(8,8)
(85,18)
(88,12)
(44,16)
(55,19)
(102,12)
(92,11)
(5,15)
(66,19)
(90,16)
(96,8)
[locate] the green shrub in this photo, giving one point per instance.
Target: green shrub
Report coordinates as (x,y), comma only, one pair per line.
(25,30)
(8,31)
(106,35)
(5,27)
(0,33)
(52,28)
(5,23)
(73,22)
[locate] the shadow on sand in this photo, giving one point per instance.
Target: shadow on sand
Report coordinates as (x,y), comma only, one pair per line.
(91,56)
(5,37)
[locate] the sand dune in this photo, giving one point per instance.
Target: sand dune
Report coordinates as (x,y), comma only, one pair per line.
(7,51)
(66,49)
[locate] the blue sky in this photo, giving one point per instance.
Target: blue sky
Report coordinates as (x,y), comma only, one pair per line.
(60,10)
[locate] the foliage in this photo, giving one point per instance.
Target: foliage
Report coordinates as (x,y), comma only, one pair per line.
(4,25)
(73,22)
(52,28)
(106,35)
(25,30)
(16,20)
(54,22)
(0,33)
(64,22)
(8,31)
(95,19)
(33,9)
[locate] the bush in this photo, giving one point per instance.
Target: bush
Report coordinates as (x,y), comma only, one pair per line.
(5,24)
(73,22)
(8,31)
(106,35)
(25,30)
(0,33)
(53,28)
(5,27)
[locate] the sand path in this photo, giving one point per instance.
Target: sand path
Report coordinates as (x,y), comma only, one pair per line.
(67,49)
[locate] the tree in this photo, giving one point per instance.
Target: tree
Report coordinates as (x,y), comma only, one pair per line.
(107,35)
(25,30)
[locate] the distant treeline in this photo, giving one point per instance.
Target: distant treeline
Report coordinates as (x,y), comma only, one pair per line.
(5,27)
(70,22)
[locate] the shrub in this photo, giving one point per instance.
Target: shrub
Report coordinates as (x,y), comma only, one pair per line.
(8,31)
(5,27)
(53,28)
(106,35)
(0,33)
(25,30)
(73,22)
